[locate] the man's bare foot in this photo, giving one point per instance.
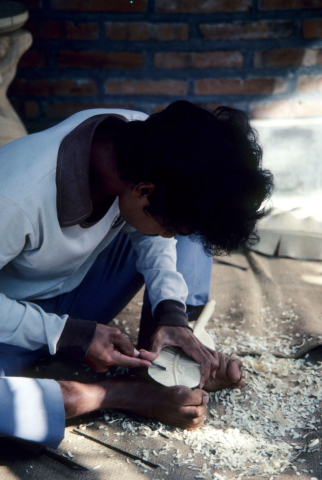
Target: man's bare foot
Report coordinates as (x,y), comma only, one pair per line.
(176,406)
(228,374)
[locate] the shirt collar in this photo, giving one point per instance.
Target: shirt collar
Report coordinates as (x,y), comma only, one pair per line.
(74,203)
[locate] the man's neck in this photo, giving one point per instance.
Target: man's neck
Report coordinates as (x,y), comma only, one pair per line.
(104,181)
(103,175)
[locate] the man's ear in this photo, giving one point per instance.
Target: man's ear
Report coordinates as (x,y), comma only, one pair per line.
(143,189)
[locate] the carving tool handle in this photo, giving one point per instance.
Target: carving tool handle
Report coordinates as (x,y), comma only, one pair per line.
(159,366)
(65,461)
(116,449)
(204,317)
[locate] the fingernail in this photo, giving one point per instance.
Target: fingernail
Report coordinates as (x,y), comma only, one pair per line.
(142,350)
(214,374)
(136,352)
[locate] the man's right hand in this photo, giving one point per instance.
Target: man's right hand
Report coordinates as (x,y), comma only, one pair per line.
(110,347)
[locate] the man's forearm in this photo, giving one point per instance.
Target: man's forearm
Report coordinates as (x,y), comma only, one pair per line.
(157,261)
(25,324)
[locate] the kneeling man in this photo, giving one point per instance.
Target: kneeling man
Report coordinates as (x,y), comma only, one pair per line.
(92,209)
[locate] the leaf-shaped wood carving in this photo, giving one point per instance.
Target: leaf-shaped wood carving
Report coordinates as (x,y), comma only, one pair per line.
(182,369)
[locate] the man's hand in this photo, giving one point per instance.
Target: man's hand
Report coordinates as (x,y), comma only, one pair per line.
(110,347)
(184,338)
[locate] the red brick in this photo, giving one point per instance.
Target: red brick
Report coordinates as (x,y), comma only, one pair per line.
(142,31)
(307,84)
(146,87)
(63,110)
(33,58)
(73,87)
(53,87)
(33,27)
(108,60)
(82,31)
(288,57)
(31,4)
(216,59)
(289,4)
(120,6)
(159,107)
(51,30)
(212,106)
(46,30)
(30,87)
(312,29)
(31,109)
(238,86)
(246,31)
(208,106)
(202,6)
(287,109)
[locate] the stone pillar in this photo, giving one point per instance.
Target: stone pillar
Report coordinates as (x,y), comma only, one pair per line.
(13,44)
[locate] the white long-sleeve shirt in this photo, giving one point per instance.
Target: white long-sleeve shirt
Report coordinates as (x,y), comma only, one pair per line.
(42,254)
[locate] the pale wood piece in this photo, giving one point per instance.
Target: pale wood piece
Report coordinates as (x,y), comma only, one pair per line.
(182,369)
(199,325)
(12,47)
(13,15)
(13,44)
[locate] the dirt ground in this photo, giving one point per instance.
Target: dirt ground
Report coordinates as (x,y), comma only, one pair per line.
(269,315)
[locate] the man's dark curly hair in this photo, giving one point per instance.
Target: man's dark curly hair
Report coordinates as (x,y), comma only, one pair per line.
(207,172)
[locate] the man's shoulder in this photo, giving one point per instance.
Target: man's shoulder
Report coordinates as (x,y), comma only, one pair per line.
(28,160)
(130,115)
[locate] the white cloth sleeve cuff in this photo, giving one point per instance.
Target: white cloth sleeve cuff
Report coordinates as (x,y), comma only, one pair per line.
(32,409)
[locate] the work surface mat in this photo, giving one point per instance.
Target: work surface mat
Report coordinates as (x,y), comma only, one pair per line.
(269,312)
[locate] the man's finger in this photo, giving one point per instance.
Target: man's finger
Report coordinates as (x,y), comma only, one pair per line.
(128,362)
(124,345)
(90,364)
(205,363)
(208,363)
(205,373)
(154,349)
(149,355)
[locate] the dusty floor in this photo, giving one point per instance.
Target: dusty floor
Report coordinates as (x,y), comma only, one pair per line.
(270,429)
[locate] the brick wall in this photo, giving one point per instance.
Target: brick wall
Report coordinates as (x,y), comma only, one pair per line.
(263,56)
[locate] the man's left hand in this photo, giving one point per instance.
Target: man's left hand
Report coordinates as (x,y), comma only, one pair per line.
(184,338)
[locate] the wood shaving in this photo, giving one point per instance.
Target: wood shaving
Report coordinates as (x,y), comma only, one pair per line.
(256,431)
